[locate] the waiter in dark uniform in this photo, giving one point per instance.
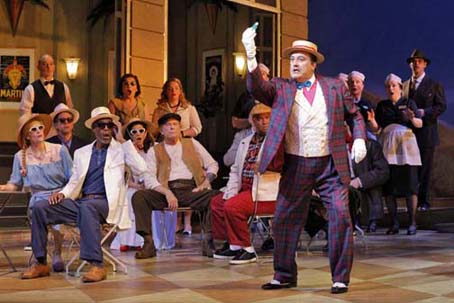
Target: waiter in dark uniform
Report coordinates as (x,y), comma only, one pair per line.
(44,94)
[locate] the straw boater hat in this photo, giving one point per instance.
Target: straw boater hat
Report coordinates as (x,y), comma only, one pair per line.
(61,108)
(304,46)
(25,118)
(147,124)
(416,53)
(98,113)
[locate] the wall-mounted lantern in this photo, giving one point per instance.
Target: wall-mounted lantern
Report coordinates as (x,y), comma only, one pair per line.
(72,64)
(240,64)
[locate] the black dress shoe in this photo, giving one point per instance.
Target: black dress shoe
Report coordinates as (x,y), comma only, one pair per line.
(393,230)
(271,286)
(339,290)
(372,227)
(268,244)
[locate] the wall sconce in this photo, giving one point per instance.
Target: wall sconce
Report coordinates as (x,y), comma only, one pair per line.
(240,64)
(72,64)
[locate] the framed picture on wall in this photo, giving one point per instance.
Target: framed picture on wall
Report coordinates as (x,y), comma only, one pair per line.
(213,79)
(17,70)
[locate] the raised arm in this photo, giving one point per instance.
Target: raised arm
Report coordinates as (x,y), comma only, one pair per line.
(260,89)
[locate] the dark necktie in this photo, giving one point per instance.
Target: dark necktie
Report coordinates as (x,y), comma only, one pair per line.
(46,83)
(412,87)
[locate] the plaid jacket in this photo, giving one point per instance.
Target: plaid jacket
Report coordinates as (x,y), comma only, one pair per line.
(280,94)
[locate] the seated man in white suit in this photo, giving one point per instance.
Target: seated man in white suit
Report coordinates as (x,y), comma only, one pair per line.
(92,195)
(231,210)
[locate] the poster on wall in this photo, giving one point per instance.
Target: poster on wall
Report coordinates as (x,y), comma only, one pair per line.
(213,79)
(17,70)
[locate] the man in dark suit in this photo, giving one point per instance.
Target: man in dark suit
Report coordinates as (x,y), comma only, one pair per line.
(370,174)
(64,119)
(429,96)
(306,141)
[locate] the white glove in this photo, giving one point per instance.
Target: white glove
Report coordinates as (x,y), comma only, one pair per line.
(248,41)
(359,150)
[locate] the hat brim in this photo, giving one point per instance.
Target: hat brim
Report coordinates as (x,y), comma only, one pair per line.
(89,122)
(124,128)
(44,118)
(424,58)
(72,111)
(290,50)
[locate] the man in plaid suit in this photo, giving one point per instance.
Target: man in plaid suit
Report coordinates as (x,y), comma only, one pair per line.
(306,142)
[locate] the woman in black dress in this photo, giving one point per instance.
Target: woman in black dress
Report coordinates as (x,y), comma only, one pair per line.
(394,120)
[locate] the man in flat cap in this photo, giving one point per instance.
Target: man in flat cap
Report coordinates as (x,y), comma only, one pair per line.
(180,171)
(306,142)
(429,96)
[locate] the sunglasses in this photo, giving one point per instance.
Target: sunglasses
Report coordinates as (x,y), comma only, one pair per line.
(36,128)
(103,125)
(65,120)
(137,131)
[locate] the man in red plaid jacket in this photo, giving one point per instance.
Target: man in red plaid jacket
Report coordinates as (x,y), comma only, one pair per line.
(306,142)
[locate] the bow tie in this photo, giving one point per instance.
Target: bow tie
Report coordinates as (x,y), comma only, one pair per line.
(46,83)
(300,85)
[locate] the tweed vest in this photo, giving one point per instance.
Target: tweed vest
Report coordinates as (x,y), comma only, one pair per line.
(45,104)
(190,158)
(306,134)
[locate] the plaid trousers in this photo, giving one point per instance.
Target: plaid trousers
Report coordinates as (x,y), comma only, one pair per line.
(300,176)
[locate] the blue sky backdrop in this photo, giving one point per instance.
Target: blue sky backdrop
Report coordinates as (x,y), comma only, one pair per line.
(376,37)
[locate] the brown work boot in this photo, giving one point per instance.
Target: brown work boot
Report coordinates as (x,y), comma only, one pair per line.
(95,274)
(148,249)
(36,270)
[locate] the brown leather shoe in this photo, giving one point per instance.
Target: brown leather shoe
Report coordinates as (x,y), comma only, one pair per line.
(148,251)
(35,271)
(95,274)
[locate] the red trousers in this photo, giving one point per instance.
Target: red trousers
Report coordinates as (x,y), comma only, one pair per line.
(229,217)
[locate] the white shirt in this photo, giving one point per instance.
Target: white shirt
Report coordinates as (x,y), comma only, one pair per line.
(178,169)
(28,97)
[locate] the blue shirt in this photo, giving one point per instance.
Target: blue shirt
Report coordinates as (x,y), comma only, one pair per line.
(46,174)
(94,181)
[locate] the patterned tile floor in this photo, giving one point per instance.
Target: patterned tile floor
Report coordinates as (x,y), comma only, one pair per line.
(397,268)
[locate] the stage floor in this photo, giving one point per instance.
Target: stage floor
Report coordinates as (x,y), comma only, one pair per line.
(397,268)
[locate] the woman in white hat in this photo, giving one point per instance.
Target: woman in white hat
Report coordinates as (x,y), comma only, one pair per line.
(395,119)
(40,166)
